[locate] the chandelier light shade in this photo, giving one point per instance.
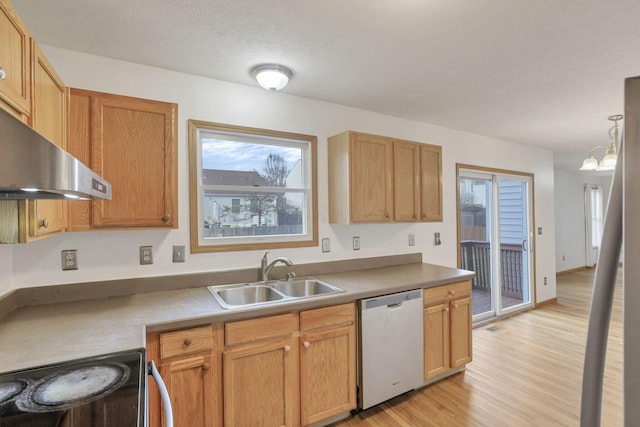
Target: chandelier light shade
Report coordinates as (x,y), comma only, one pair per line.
(272,76)
(610,158)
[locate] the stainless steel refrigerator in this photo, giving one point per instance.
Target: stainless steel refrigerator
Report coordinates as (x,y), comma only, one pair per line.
(621,231)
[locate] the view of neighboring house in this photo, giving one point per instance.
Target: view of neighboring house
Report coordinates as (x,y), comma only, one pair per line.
(232,211)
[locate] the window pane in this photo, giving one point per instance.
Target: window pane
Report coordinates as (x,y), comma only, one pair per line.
(253,188)
(238,163)
(253,214)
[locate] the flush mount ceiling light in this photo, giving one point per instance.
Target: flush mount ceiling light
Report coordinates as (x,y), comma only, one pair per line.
(272,76)
(610,158)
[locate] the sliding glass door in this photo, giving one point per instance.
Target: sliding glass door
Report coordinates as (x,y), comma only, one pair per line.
(495,239)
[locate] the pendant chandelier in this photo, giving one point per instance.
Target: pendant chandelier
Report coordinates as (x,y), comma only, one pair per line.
(610,158)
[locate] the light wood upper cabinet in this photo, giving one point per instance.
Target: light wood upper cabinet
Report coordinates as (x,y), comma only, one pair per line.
(431,182)
(376,179)
(48,117)
(132,143)
(15,43)
(406,181)
(447,328)
(360,178)
(23,221)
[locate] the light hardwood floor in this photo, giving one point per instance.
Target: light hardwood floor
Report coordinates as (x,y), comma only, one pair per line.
(526,371)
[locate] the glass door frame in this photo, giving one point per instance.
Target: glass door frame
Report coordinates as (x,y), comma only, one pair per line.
(494,175)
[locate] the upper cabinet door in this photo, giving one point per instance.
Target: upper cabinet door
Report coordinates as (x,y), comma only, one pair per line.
(431,182)
(406,181)
(371,177)
(48,117)
(14,61)
(132,143)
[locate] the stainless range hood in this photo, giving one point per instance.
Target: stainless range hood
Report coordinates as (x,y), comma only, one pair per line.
(32,167)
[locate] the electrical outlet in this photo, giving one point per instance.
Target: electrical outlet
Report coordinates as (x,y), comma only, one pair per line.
(326,245)
(146,255)
(70,259)
(545,280)
(436,239)
(356,243)
(564,258)
(412,239)
(178,253)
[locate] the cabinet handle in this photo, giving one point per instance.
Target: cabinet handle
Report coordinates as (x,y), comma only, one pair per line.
(287,348)
(166,217)
(187,342)
(205,366)
(306,344)
(44,223)
(3,74)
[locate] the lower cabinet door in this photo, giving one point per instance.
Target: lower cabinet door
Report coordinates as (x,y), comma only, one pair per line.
(436,340)
(260,384)
(327,373)
(460,332)
(190,383)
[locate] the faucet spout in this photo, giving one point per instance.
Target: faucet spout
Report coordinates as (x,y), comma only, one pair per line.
(267,267)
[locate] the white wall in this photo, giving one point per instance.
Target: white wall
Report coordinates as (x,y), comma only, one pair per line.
(570,218)
(110,255)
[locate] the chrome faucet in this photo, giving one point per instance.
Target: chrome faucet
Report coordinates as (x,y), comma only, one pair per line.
(266,269)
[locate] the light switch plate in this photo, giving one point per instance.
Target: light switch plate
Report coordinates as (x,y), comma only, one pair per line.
(412,239)
(356,243)
(178,253)
(326,245)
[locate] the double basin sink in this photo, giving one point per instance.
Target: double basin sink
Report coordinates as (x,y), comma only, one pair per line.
(242,295)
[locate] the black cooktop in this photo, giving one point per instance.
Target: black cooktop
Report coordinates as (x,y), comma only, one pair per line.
(101,391)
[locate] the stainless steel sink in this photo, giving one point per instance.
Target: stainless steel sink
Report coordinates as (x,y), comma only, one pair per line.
(242,295)
(300,288)
(248,294)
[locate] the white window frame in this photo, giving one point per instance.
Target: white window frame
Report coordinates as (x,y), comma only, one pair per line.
(308,145)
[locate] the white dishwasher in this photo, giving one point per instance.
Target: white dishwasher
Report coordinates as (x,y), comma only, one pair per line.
(391,346)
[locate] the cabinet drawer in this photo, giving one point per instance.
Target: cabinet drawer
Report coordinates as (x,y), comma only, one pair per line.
(339,315)
(180,343)
(447,292)
(245,331)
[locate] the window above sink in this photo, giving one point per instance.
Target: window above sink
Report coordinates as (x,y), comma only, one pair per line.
(251,188)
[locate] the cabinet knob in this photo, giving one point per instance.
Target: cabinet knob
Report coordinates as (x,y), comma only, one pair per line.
(205,366)
(287,348)
(44,223)
(187,342)
(455,305)
(166,217)
(3,74)
(452,292)
(446,308)
(306,344)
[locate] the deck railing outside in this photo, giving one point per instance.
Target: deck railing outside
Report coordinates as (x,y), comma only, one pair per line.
(476,256)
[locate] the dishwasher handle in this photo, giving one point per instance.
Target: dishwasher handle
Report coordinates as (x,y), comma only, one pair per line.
(393,301)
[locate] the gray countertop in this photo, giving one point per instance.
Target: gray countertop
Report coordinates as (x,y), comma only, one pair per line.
(52,333)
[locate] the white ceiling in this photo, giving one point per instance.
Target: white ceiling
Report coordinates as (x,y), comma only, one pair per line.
(546,72)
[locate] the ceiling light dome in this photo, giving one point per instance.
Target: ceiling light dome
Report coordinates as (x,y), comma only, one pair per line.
(272,76)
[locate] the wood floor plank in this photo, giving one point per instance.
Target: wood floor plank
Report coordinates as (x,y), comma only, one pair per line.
(526,371)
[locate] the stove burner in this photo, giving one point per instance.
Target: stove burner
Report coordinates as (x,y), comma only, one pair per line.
(10,390)
(67,389)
